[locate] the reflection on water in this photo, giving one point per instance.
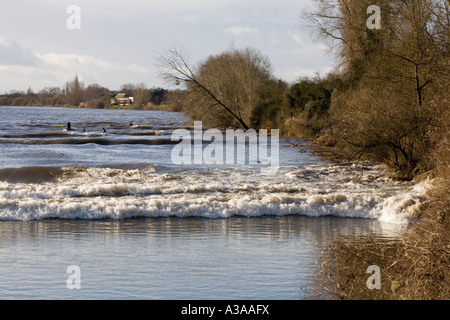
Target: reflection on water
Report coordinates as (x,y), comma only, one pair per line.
(170,258)
(276,228)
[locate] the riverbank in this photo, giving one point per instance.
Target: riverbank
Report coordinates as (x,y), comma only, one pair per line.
(416,268)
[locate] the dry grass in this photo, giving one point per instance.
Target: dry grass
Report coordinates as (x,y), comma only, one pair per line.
(416,268)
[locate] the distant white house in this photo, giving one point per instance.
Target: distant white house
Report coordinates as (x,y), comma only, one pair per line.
(121,99)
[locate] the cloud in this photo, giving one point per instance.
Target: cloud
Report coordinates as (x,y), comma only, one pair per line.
(4,43)
(292,74)
(191,18)
(11,53)
(86,63)
(64,66)
(297,37)
(309,51)
(54,69)
(238,31)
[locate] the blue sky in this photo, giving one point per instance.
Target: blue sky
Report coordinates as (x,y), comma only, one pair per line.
(119,40)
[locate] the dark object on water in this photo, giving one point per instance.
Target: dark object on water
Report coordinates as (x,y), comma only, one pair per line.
(131,124)
(104,130)
(84,129)
(69,126)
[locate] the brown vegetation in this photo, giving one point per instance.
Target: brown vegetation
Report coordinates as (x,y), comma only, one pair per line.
(222,90)
(416,268)
(393,79)
(394,108)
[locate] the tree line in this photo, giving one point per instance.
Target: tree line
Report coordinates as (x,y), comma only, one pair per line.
(388,100)
(75,94)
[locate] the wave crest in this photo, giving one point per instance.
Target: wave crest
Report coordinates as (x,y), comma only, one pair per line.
(147,191)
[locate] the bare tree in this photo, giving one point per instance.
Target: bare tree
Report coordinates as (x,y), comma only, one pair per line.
(141,94)
(222,89)
(74,92)
(127,88)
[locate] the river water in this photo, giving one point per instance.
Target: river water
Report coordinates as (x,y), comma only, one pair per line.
(107,198)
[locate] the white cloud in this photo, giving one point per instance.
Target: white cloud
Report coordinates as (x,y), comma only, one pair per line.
(4,43)
(22,70)
(292,74)
(54,69)
(191,18)
(11,53)
(238,31)
(22,77)
(297,37)
(86,62)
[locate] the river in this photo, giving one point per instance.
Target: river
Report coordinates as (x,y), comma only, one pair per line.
(107,198)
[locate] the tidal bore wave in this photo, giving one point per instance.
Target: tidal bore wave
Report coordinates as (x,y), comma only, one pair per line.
(30,174)
(98,141)
(123,192)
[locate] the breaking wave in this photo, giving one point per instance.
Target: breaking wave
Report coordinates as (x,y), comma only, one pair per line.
(123,192)
(30,174)
(91,140)
(68,134)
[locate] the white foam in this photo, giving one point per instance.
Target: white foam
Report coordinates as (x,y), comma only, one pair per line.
(400,207)
(99,193)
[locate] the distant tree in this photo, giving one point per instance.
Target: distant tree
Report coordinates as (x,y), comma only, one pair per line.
(50,91)
(306,105)
(96,96)
(174,99)
(140,94)
(30,92)
(311,97)
(74,92)
(95,91)
(158,95)
(268,111)
(127,88)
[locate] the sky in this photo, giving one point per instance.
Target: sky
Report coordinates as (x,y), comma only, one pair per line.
(44,43)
